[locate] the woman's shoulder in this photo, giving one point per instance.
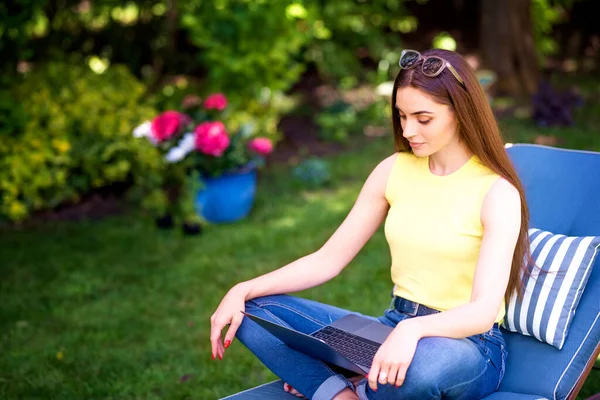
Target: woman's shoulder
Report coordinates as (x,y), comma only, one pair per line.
(393,162)
(502,190)
(384,168)
(502,199)
(388,171)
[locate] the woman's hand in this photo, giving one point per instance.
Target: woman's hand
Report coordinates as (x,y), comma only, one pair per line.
(394,356)
(229,312)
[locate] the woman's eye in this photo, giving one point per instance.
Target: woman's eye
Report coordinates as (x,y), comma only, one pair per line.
(403,117)
(425,122)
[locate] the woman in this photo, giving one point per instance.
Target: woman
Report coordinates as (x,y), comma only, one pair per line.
(456,222)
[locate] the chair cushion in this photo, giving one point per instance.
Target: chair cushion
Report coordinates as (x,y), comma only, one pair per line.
(274,391)
(268,391)
(513,396)
(552,292)
(561,188)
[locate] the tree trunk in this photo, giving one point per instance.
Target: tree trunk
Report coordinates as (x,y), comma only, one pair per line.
(506,40)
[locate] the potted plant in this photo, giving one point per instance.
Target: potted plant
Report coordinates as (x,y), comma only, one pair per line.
(224,161)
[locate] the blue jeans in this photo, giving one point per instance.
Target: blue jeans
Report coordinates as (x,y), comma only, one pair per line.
(469,368)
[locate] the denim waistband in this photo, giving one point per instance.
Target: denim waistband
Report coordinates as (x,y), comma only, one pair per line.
(415,309)
(411,308)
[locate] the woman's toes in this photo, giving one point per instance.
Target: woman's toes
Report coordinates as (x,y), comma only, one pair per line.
(291,390)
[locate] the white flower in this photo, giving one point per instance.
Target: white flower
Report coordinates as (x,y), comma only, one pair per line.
(188,142)
(144,130)
(174,155)
(186,145)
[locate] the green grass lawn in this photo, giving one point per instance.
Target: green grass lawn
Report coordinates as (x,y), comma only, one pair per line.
(118,309)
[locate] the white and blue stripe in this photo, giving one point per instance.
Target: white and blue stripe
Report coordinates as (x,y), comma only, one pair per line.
(554,287)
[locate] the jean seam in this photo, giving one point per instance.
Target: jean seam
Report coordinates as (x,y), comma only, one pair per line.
(391,307)
(487,363)
(272,315)
(273,303)
(502,365)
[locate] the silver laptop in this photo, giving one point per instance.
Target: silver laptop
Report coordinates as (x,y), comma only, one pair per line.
(350,342)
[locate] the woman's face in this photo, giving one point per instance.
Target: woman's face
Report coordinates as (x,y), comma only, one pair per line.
(428,126)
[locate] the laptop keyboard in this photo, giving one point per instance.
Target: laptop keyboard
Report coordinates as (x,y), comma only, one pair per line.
(355,348)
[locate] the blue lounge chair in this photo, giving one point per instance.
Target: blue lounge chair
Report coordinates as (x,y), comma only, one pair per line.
(563,194)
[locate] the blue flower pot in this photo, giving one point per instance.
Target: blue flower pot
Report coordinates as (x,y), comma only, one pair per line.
(227,198)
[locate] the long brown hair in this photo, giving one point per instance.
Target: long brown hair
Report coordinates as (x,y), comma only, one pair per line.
(478,129)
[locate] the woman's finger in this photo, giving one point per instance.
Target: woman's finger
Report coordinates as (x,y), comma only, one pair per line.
(233,327)
(215,337)
(401,374)
(392,374)
(383,374)
(373,374)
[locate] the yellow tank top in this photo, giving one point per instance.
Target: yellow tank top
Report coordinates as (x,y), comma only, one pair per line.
(434,230)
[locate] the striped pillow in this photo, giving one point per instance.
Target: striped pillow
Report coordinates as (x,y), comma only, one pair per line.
(552,294)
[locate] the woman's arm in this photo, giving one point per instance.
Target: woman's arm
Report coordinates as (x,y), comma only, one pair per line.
(366,216)
(501,219)
(368,213)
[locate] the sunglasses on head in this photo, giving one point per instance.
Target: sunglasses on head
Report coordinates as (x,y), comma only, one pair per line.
(432,66)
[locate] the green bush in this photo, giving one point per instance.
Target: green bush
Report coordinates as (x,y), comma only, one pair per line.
(347,32)
(544,15)
(378,113)
(76,137)
(246,46)
(341,119)
(337,122)
(312,173)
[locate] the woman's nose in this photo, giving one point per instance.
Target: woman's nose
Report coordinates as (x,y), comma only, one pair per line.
(409,130)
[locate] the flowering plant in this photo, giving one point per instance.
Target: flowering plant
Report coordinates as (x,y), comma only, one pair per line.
(200,140)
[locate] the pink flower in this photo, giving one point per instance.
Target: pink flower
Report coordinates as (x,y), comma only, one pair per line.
(261,145)
(211,138)
(167,124)
(216,101)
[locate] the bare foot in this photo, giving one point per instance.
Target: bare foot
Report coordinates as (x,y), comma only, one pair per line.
(346,394)
(354,381)
(291,390)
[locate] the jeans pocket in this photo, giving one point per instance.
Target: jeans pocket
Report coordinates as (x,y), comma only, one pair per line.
(392,317)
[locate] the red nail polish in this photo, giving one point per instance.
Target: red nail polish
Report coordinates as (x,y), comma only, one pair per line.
(367,376)
(213,356)
(220,357)
(227,343)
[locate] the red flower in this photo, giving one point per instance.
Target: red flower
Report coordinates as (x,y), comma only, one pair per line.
(261,145)
(167,124)
(211,138)
(216,101)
